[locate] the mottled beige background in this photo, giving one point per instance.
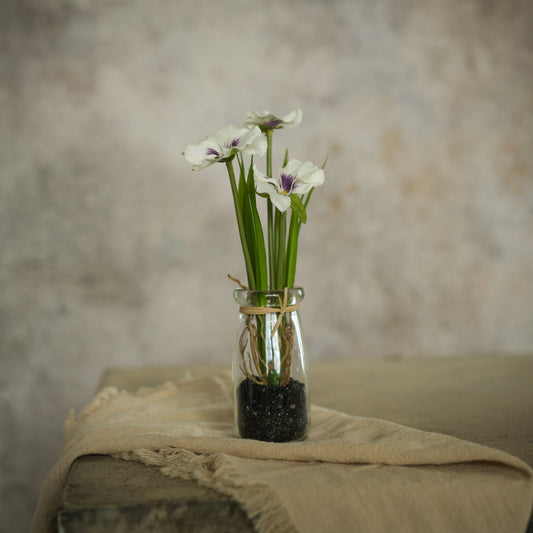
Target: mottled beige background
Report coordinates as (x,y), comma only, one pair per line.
(112,252)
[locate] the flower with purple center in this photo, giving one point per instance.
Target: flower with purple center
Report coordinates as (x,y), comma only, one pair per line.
(286,182)
(222,146)
(267,121)
(296,177)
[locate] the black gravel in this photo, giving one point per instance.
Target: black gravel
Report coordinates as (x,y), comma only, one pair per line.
(272,413)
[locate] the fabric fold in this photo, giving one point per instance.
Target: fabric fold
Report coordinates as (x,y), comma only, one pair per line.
(351,474)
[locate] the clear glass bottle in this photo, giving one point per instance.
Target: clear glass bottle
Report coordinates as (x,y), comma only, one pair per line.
(270,368)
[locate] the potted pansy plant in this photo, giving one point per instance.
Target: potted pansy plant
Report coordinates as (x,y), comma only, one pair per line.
(270,369)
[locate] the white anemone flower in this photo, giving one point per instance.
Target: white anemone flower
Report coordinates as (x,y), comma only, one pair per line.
(222,146)
(267,121)
(296,177)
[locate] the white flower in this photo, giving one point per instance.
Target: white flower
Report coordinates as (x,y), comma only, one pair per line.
(294,178)
(222,145)
(268,121)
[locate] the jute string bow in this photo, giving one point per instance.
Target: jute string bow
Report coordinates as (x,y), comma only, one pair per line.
(282,309)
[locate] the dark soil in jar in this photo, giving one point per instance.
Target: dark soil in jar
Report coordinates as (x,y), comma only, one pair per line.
(273,413)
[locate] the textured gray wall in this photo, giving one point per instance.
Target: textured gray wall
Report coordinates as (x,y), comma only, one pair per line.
(112,252)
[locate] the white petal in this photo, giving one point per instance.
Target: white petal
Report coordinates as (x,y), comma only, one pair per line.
(266,119)
(268,186)
(305,172)
(252,141)
(314,177)
(224,135)
(281,201)
(258,175)
(197,154)
(253,118)
(301,188)
(292,166)
(293,118)
(264,187)
(264,184)
(223,143)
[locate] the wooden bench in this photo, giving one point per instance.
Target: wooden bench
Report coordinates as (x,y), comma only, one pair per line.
(484,399)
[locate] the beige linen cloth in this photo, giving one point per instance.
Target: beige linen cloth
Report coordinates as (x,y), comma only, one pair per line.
(352,474)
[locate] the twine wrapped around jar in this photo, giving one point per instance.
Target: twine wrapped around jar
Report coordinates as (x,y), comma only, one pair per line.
(282,309)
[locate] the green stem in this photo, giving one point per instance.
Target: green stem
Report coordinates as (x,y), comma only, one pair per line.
(292,244)
(281,232)
(306,201)
(270,216)
(240,225)
(292,251)
(271,247)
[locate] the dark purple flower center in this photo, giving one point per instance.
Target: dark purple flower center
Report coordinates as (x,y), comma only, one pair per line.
(226,151)
(287,181)
(272,123)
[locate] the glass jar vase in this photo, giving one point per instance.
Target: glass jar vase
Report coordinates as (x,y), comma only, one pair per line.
(270,368)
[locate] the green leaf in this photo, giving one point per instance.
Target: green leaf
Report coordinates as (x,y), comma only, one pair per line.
(242,181)
(241,225)
(248,231)
(251,180)
(254,233)
(298,208)
(286,158)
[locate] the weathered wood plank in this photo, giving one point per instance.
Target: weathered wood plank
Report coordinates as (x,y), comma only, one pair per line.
(105,495)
